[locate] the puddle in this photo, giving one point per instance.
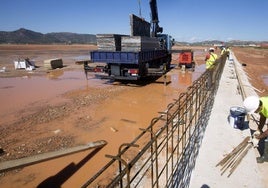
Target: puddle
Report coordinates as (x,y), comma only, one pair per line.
(18,93)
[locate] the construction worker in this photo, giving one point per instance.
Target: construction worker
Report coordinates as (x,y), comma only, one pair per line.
(210,58)
(223,50)
(228,52)
(210,62)
(254,104)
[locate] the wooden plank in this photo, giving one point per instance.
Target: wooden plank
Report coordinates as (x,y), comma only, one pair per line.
(19,163)
(234,151)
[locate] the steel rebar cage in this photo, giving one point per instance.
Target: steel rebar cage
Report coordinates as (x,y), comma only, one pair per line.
(163,154)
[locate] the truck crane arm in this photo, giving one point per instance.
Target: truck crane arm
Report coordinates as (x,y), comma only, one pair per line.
(154,19)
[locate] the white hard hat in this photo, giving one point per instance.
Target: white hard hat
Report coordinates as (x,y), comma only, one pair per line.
(251,104)
(211,49)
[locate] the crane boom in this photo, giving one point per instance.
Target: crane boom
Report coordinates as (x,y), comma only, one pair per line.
(154,19)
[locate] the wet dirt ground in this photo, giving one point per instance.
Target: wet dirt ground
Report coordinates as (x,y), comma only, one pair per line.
(45,110)
(255,61)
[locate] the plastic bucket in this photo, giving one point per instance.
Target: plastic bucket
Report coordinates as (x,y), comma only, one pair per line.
(237,117)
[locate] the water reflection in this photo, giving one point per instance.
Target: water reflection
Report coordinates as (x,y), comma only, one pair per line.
(55,74)
(185,78)
(19,92)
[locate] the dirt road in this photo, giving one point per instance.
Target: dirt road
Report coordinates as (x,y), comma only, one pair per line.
(50,110)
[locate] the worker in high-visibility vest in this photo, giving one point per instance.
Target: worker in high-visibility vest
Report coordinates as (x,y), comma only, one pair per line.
(228,52)
(210,59)
(223,50)
(210,62)
(254,104)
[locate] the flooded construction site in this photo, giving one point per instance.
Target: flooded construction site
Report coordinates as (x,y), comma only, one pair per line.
(43,111)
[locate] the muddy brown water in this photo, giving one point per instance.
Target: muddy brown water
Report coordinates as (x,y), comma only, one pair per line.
(22,92)
(118,119)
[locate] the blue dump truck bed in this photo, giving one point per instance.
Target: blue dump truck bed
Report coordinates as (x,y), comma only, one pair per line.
(126,57)
(125,65)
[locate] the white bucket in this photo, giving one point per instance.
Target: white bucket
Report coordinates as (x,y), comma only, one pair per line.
(237,117)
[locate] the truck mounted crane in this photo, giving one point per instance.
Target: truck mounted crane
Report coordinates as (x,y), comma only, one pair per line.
(130,63)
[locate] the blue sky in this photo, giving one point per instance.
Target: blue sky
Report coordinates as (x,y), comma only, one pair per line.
(185,20)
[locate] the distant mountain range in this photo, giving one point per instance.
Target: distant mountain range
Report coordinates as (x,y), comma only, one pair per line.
(24,36)
(229,43)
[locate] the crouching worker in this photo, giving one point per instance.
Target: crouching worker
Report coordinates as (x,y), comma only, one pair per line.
(254,104)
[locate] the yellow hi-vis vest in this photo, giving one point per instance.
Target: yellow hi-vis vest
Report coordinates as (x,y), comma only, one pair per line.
(223,51)
(211,61)
(264,109)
